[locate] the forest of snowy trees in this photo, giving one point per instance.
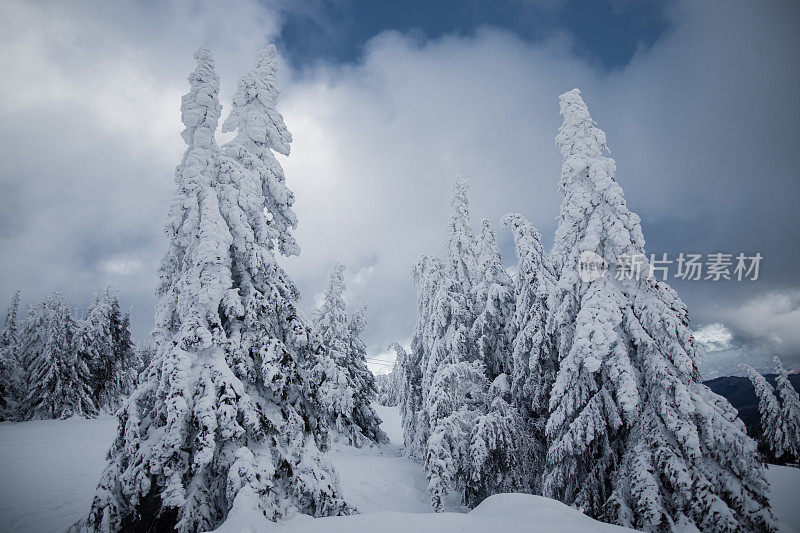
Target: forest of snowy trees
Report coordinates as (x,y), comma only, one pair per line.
(537,381)
(54,365)
(585,391)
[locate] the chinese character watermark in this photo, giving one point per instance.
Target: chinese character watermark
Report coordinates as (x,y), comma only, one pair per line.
(686,266)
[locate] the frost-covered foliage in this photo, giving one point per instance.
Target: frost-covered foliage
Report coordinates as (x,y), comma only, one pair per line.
(105,345)
(467,433)
(58,380)
(493,297)
(428,274)
(634,437)
(349,390)
(789,415)
(535,360)
(390,386)
(500,454)
(11,373)
(228,402)
(770,411)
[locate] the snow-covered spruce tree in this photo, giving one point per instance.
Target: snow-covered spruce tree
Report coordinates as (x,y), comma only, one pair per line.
(634,437)
(227,405)
(11,373)
(535,360)
(462,264)
(349,393)
(59,382)
(789,414)
(770,411)
(105,344)
(391,390)
(427,274)
(453,404)
(499,454)
(493,297)
(362,378)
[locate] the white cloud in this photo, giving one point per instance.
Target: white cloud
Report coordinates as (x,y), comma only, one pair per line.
(714,337)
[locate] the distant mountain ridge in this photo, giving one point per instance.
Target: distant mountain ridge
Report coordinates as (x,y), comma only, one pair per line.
(741,394)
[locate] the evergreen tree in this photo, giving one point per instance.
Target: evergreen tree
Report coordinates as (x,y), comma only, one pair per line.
(349,396)
(770,411)
(499,448)
(462,264)
(789,415)
(105,345)
(634,437)
(390,388)
(427,273)
(228,405)
(493,297)
(535,361)
(363,380)
(59,382)
(11,373)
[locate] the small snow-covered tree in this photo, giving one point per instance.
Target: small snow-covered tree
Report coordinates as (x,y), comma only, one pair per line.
(229,404)
(770,410)
(634,437)
(59,382)
(391,384)
(349,395)
(11,373)
(493,297)
(789,414)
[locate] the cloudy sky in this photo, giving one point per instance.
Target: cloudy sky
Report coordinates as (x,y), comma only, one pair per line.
(386,102)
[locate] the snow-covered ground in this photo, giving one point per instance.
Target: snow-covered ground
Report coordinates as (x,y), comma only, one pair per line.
(49,469)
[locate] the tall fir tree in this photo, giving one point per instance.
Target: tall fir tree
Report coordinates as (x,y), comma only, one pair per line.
(228,405)
(59,382)
(391,392)
(634,437)
(493,297)
(789,414)
(769,410)
(11,374)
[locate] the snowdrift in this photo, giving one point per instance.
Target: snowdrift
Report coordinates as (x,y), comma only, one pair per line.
(498,513)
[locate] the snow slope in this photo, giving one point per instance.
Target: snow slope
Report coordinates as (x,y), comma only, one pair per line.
(49,469)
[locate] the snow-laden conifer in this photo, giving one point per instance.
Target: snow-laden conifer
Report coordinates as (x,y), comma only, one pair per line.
(349,389)
(227,406)
(789,414)
(769,410)
(59,382)
(427,274)
(634,437)
(462,264)
(362,378)
(535,360)
(11,374)
(105,345)
(390,389)
(493,297)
